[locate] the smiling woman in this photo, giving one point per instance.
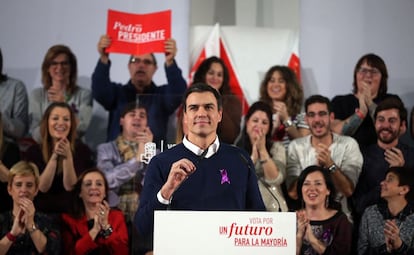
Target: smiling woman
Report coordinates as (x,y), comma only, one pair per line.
(25,230)
(56,158)
(93,227)
(59,77)
(322,228)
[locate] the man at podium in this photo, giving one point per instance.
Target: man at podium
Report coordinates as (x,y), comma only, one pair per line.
(201,173)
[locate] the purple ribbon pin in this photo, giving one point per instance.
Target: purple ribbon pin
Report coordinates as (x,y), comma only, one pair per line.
(224,177)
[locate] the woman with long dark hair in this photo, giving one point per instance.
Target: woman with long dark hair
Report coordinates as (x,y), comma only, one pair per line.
(269,157)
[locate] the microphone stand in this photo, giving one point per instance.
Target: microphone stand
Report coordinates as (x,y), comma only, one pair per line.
(246,162)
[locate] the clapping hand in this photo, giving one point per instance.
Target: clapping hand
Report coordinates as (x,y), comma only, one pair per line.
(62,148)
(55,95)
(392,235)
(323,155)
(394,157)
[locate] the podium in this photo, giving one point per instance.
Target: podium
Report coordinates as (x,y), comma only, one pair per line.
(224,232)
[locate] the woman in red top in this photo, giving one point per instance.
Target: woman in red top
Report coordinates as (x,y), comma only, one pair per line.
(93,228)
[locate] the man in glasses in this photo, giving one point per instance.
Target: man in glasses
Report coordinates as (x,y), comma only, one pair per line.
(354,112)
(160,101)
(340,155)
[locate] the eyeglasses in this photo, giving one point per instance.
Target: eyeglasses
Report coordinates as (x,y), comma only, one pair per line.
(146,62)
(62,63)
(320,114)
(365,71)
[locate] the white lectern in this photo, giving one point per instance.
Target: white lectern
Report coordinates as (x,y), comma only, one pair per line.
(224,232)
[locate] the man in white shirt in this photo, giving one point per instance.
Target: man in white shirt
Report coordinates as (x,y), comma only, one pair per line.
(340,155)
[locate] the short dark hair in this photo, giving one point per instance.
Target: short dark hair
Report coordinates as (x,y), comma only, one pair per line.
(405,177)
(393,102)
(200,88)
(78,209)
(329,184)
(132,106)
(318,99)
(375,61)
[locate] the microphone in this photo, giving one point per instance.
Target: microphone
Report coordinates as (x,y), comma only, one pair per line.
(202,156)
(246,162)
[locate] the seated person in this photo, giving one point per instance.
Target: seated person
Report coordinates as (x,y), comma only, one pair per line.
(322,228)
(388,227)
(60,158)
(93,228)
(9,155)
(25,230)
(124,160)
(269,157)
(13,106)
(59,75)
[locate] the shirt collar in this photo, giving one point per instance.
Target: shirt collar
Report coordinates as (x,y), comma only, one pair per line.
(211,150)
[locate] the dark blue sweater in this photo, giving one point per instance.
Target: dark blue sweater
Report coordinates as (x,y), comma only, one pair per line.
(203,189)
(160,101)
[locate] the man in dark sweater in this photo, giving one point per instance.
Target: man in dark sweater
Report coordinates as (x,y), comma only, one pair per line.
(160,101)
(201,173)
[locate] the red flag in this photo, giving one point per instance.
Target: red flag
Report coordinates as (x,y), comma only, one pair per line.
(215,46)
(294,61)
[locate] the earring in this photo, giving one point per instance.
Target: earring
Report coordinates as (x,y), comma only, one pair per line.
(327,202)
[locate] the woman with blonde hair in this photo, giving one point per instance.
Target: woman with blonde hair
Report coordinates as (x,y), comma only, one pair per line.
(59,78)
(56,157)
(25,230)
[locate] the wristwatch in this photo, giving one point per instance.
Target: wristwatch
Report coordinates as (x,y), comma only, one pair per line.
(33,229)
(288,123)
(107,232)
(332,168)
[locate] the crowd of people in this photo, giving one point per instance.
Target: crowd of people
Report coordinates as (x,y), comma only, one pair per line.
(339,164)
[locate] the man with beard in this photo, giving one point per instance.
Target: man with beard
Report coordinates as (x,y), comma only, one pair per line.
(160,101)
(390,122)
(338,154)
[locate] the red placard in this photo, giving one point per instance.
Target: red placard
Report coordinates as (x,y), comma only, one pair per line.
(138,34)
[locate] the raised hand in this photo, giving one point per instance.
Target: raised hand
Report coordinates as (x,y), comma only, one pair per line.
(104,42)
(170,47)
